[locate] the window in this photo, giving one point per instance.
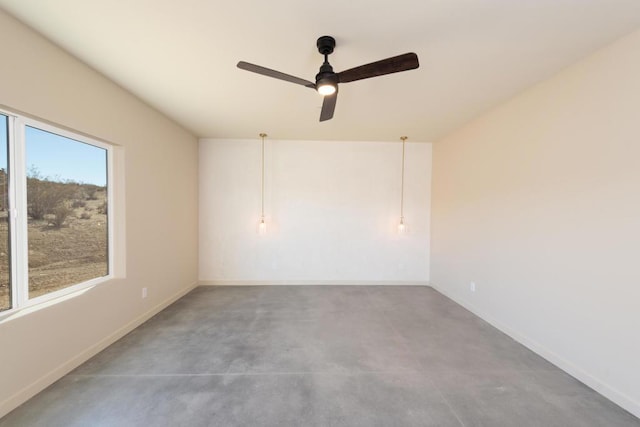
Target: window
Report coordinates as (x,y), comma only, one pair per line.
(5,244)
(54,212)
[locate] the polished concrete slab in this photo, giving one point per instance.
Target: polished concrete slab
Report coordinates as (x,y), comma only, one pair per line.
(317,356)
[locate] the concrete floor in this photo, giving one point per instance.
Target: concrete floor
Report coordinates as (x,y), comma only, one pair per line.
(317,356)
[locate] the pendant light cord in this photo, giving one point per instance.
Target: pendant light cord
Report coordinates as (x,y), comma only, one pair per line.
(404,139)
(262,135)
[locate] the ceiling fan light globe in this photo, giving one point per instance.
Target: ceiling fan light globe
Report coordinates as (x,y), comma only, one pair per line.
(326,89)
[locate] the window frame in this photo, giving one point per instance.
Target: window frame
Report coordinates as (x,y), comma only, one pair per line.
(18,218)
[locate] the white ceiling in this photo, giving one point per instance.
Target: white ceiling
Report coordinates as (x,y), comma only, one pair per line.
(180,57)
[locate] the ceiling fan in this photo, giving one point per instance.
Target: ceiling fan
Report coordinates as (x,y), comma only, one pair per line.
(327,80)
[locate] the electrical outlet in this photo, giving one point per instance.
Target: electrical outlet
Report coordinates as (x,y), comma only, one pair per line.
(472,286)
(144,293)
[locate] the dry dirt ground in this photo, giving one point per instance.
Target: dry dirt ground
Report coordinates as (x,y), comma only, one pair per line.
(60,257)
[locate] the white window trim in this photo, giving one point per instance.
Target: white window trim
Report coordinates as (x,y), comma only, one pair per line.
(18,218)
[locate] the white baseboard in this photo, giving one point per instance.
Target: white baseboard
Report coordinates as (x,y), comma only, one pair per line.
(46,380)
(310,282)
(596,384)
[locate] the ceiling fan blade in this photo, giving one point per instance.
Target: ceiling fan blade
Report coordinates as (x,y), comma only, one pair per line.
(275,74)
(405,62)
(328,106)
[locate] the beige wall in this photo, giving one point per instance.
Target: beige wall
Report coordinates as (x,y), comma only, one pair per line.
(538,202)
(158,160)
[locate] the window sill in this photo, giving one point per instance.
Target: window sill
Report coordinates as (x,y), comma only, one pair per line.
(48,300)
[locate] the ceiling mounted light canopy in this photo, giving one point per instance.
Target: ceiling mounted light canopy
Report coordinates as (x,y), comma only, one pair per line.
(326,83)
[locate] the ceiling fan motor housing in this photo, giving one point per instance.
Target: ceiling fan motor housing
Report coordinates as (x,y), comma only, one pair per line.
(326,76)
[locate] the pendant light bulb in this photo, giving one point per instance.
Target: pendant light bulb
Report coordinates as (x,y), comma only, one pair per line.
(262,227)
(402,228)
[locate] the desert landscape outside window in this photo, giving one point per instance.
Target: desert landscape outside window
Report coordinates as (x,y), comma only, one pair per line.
(67,211)
(5,247)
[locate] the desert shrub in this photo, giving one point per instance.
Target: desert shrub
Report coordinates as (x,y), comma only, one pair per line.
(78,203)
(81,193)
(44,195)
(103,208)
(85,215)
(91,191)
(60,214)
(41,199)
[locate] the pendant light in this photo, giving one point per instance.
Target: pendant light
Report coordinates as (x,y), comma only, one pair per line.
(262,225)
(402,228)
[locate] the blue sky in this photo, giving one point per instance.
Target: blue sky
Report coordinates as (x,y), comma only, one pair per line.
(58,157)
